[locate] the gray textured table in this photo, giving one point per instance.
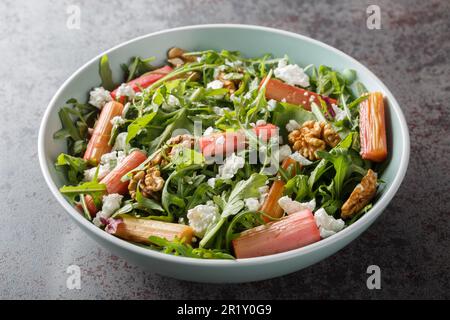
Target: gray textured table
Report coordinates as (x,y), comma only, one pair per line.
(410,242)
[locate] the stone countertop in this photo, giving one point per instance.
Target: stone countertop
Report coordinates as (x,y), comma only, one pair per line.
(409,242)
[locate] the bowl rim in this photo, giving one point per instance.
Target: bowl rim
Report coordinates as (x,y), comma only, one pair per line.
(355,228)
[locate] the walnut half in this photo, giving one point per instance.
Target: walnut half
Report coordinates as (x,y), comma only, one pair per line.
(313,136)
(360,196)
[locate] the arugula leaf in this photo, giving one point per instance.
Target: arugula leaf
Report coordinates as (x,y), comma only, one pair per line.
(169,199)
(179,121)
(146,203)
(285,112)
(201,194)
(299,186)
(342,165)
(185,157)
(138,125)
(180,248)
(106,74)
(72,167)
(95,189)
(318,171)
(360,89)
(242,221)
(68,124)
(137,67)
(242,190)
(315,109)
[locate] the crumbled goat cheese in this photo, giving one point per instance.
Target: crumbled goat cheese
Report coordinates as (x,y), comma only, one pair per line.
(271,104)
(248,95)
(111,203)
(117,121)
(90,173)
(215,84)
(99,97)
(208,131)
(112,159)
(211,182)
(327,224)
(252,204)
(296,156)
(220,111)
(291,74)
(220,140)
(121,142)
(292,125)
(202,217)
(125,90)
(173,101)
(261,123)
(284,152)
(339,113)
(108,162)
(233,64)
(231,166)
(291,206)
(264,191)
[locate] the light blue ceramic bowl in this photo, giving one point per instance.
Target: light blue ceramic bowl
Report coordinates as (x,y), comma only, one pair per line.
(251,41)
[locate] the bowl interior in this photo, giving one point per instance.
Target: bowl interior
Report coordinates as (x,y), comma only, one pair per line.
(251,41)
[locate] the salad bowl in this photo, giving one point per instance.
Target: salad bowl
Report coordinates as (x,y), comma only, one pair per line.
(250,41)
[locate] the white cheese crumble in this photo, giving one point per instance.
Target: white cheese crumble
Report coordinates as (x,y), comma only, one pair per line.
(117,121)
(108,162)
(112,159)
(215,84)
(231,166)
(291,206)
(296,156)
(220,111)
(202,217)
(264,191)
(233,64)
(252,204)
(284,152)
(220,140)
(173,101)
(125,90)
(339,113)
(111,203)
(271,104)
(99,97)
(208,131)
(121,142)
(291,74)
(292,125)
(261,123)
(90,173)
(211,182)
(327,224)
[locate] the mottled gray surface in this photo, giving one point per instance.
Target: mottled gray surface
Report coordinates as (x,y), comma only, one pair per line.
(410,242)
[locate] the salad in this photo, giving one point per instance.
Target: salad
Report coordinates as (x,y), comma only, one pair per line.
(219,156)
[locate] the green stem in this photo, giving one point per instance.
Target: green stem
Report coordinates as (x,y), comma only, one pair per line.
(211,233)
